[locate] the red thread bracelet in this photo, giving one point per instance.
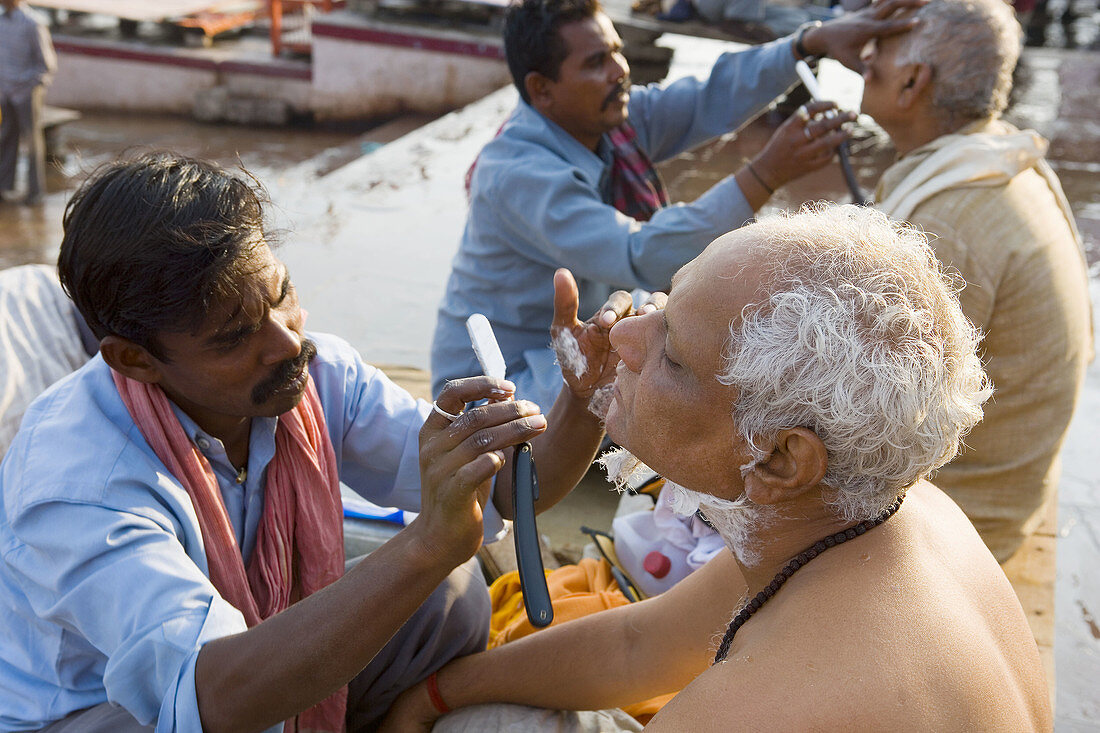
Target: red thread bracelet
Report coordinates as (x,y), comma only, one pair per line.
(436,698)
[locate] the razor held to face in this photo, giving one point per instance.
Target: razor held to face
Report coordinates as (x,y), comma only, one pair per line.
(525,489)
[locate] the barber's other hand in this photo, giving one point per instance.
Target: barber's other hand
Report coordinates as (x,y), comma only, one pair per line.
(458,459)
(844,38)
(798,147)
(592,363)
(411,712)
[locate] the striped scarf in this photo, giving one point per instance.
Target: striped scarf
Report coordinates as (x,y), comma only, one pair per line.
(636,189)
(300,543)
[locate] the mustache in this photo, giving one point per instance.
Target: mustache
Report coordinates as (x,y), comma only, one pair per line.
(284,374)
(623,86)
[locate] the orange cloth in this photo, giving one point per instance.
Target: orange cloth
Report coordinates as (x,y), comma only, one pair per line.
(575,591)
(300,542)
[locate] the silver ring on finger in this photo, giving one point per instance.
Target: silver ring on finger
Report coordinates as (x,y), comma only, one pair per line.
(440,411)
(803,114)
(806,131)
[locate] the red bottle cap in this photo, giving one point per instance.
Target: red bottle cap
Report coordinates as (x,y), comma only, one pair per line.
(657,564)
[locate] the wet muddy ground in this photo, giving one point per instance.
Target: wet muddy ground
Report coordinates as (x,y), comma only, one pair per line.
(33,234)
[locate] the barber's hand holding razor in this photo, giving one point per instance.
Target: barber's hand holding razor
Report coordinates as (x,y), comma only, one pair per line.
(411,712)
(804,142)
(583,347)
(460,452)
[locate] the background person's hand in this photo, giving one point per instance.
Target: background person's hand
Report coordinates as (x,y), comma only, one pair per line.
(802,144)
(844,38)
(458,458)
(655,301)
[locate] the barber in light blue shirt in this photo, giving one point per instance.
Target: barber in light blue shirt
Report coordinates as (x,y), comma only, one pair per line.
(541,195)
(109,622)
(102,492)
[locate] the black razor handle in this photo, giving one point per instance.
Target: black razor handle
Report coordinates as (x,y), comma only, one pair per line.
(858,196)
(532,578)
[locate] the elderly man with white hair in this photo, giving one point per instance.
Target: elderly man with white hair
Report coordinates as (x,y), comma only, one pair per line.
(998,215)
(808,372)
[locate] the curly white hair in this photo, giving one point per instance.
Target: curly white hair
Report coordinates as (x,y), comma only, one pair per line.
(860,339)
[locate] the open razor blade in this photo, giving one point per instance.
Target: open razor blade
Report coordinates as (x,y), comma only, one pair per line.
(485,346)
(806,74)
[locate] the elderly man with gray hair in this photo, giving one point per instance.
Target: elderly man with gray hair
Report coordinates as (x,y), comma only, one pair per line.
(997,214)
(807,373)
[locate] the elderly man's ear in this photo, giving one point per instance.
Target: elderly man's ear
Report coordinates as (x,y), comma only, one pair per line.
(796,465)
(916,81)
(129,359)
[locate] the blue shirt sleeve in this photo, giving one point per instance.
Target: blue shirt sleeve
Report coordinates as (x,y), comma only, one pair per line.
(559,220)
(45,59)
(689,111)
(121,582)
(556,215)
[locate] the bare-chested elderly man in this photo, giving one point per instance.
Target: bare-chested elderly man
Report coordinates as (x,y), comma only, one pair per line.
(808,372)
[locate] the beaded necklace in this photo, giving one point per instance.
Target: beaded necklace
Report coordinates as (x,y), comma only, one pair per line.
(789,569)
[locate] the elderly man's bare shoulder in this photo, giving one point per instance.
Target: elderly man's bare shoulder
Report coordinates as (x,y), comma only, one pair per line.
(912,626)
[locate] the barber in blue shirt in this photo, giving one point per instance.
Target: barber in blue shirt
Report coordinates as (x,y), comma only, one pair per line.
(542,193)
(109,618)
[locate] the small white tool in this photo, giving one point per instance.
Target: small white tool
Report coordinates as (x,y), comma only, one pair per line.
(485,346)
(806,74)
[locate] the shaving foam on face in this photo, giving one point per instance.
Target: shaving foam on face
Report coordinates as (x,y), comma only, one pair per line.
(622,467)
(600,401)
(681,501)
(738,522)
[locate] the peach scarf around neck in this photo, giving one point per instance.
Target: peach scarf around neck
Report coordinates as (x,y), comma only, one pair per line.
(300,541)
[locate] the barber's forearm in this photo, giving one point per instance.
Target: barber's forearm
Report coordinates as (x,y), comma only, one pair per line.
(297,658)
(562,453)
(754,187)
(814,40)
(607,659)
(687,111)
(678,234)
(565,451)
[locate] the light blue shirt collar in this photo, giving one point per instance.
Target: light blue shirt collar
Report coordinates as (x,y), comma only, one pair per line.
(244,503)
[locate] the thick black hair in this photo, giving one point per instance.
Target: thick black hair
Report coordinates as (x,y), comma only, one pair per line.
(152,241)
(532,41)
